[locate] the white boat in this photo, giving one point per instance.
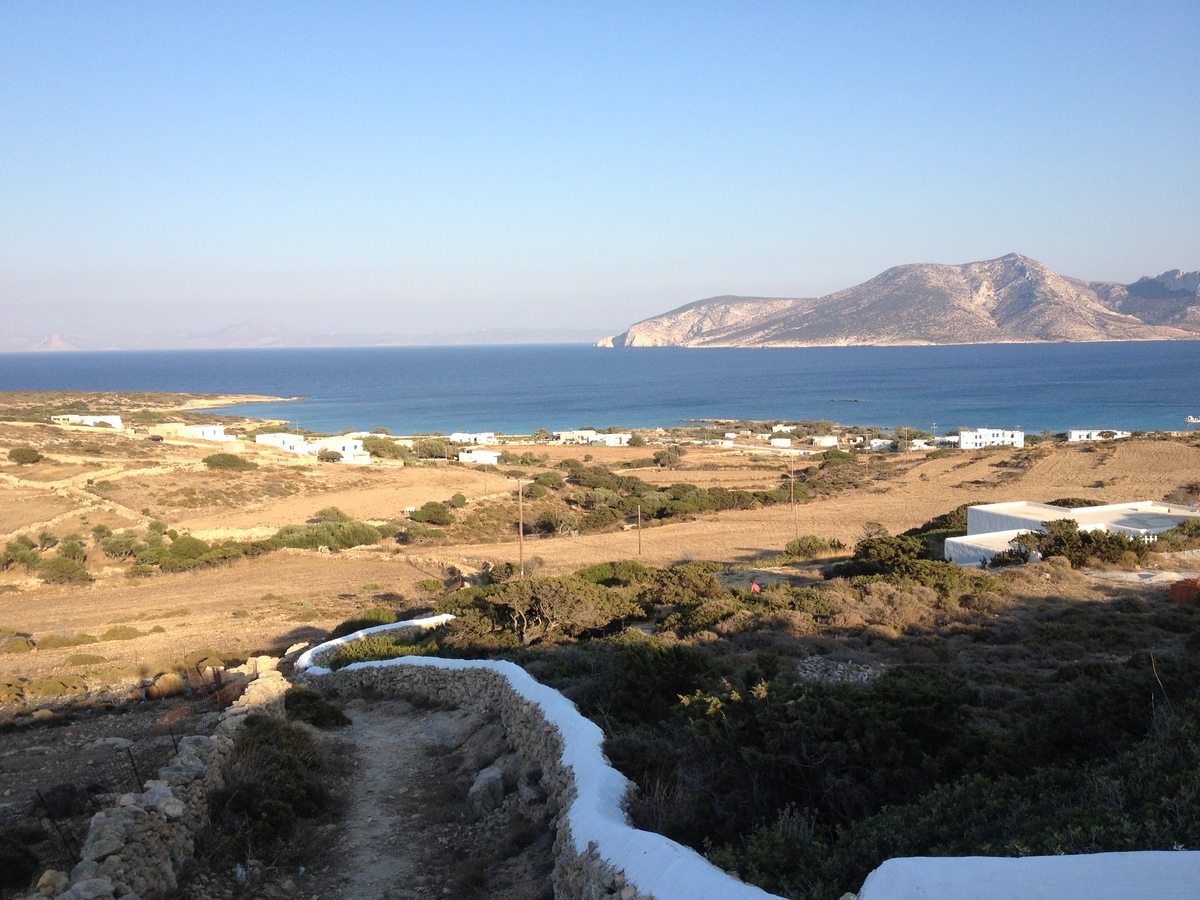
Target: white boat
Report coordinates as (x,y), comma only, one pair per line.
(1193,420)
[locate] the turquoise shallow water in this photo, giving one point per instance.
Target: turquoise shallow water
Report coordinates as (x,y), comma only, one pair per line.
(517,389)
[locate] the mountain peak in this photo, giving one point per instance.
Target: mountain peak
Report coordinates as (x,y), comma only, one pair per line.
(1005,300)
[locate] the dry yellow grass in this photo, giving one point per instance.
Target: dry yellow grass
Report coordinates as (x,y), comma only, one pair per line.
(288,596)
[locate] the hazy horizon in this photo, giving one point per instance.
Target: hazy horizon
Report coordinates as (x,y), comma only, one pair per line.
(453,169)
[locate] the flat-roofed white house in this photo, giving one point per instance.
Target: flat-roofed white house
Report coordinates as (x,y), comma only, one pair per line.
(92,421)
(991,527)
(473,437)
(1103,434)
(481,457)
(781,442)
(192,432)
(787,429)
(990,437)
(825,440)
(579,436)
(350,448)
(292,443)
(616,439)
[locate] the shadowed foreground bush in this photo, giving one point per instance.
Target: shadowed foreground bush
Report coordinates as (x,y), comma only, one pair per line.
(272,779)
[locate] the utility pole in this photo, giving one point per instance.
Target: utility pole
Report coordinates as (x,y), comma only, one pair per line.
(792,499)
(521,527)
(639,529)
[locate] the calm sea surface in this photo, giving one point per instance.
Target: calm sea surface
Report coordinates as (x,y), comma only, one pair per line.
(517,389)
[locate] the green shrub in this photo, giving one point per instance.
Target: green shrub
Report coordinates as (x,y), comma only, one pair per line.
(383,447)
(230,462)
(58,686)
(121,633)
(377,615)
(61,570)
(433,513)
(806,547)
(17,644)
(334,535)
(24,456)
(273,777)
(432,585)
(387,645)
(458,501)
(303,704)
(52,641)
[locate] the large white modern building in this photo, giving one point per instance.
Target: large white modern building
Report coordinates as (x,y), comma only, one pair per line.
(991,527)
(989,437)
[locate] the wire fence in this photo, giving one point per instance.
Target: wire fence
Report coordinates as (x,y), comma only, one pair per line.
(50,821)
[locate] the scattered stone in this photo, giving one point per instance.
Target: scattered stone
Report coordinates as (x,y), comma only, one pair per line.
(487,793)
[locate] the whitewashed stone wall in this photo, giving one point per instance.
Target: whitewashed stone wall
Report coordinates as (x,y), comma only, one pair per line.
(601,869)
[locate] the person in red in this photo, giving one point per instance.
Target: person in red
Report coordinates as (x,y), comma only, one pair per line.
(755,587)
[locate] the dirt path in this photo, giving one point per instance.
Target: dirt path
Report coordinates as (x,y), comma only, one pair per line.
(408,831)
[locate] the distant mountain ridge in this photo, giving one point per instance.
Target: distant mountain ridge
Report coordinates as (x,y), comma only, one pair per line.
(1006,300)
(248,335)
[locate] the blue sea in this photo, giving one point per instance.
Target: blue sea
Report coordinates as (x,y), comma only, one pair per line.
(517,389)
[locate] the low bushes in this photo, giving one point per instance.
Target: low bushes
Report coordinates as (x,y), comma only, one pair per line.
(229,462)
(24,456)
(273,778)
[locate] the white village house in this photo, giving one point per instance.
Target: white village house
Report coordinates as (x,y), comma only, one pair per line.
(579,436)
(1103,434)
(991,527)
(192,432)
(990,437)
(351,449)
(92,421)
(480,457)
(473,437)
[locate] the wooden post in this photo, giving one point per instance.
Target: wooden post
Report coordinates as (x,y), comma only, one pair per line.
(521,527)
(639,529)
(792,500)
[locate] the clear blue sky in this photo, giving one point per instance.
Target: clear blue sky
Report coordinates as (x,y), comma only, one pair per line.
(453,166)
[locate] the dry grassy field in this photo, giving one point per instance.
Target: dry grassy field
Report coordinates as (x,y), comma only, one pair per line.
(90,477)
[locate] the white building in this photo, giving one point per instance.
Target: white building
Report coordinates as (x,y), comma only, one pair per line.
(192,432)
(1102,434)
(991,527)
(482,457)
(878,444)
(93,421)
(787,429)
(825,440)
(617,439)
(473,437)
(350,448)
(781,442)
(292,443)
(990,437)
(581,436)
